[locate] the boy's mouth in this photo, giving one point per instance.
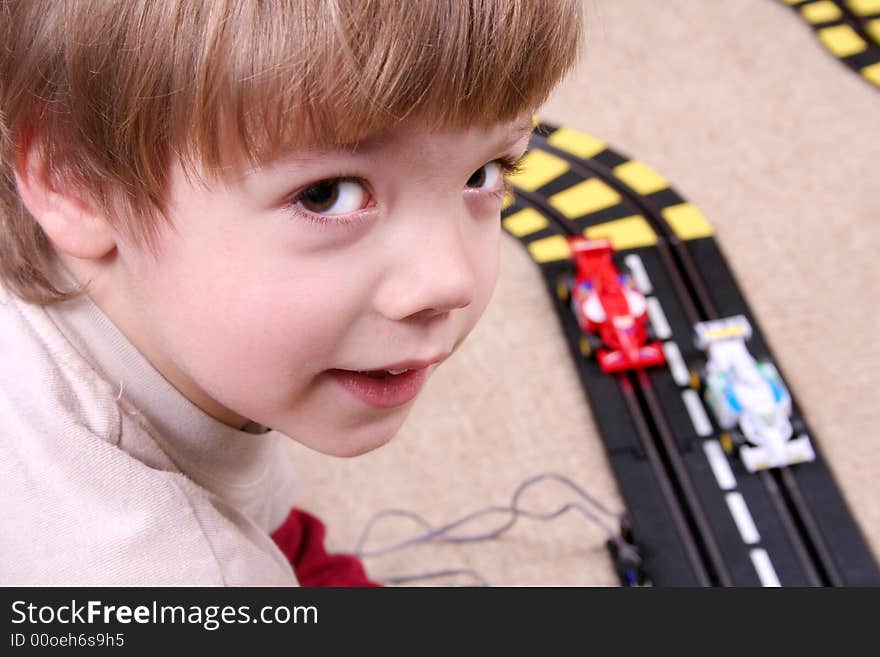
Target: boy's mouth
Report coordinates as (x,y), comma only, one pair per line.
(390,386)
(401,367)
(382,388)
(383,374)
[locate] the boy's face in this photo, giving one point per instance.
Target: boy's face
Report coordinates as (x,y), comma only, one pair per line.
(271,293)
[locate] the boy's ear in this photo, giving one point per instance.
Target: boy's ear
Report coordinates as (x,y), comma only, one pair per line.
(68,217)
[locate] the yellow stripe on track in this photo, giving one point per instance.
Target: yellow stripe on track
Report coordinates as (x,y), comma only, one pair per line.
(550,249)
(872,73)
(640,177)
(821,12)
(873,29)
(627,233)
(577,143)
(537,169)
(525,222)
(864,7)
(842,40)
(586,197)
(687,221)
(594,195)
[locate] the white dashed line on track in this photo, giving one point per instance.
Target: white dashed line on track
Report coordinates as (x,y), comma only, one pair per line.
(743,518)
(766,572)
(679,370)
(658,319)
(720,466)
(640,274)
(698,415)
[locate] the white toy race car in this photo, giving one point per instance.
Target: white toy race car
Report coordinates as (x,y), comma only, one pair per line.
(750,395)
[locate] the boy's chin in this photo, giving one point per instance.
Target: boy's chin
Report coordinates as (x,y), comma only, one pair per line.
(354,441)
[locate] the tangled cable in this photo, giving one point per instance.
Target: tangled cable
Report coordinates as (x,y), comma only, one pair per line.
(513,510)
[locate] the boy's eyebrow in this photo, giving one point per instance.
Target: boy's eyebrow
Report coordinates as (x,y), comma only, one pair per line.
(516,132)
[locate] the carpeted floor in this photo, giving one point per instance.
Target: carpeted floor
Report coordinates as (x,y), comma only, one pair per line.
(738,105)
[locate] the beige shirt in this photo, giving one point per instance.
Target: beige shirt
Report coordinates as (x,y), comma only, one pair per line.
(109,476)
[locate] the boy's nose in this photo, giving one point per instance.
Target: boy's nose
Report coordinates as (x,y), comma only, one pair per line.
(432,276)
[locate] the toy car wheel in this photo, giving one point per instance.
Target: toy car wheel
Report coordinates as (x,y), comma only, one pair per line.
(563,287)
(731,441)
(589,344)
(798,426)
(738,439)
(698,375)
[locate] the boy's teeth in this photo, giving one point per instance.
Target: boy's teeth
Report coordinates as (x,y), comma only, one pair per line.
(378,374)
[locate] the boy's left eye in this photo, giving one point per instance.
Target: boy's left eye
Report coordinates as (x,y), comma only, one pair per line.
(487,176)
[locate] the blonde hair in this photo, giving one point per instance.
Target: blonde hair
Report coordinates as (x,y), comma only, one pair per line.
(111,90)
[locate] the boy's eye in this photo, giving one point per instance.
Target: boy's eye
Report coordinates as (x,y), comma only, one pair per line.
(331,197)
(487,176)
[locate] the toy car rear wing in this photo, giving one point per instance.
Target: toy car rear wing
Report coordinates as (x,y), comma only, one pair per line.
(726,328)
(580,244)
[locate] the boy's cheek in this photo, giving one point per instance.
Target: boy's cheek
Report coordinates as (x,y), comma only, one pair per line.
(489,263)
(486,269)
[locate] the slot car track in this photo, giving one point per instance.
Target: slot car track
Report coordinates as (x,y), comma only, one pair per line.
(681,267)
(848,29)
(697,516)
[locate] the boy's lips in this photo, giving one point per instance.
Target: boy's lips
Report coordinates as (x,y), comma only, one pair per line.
(389,386)
(382,390)
(412,364)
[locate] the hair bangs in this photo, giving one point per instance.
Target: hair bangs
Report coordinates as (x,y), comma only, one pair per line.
(339,71)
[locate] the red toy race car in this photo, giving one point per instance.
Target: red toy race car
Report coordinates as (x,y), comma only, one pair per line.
(610,310)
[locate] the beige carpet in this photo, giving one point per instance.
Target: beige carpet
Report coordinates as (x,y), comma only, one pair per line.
(738,105)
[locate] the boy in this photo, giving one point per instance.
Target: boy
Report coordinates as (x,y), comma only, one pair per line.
(226,215)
